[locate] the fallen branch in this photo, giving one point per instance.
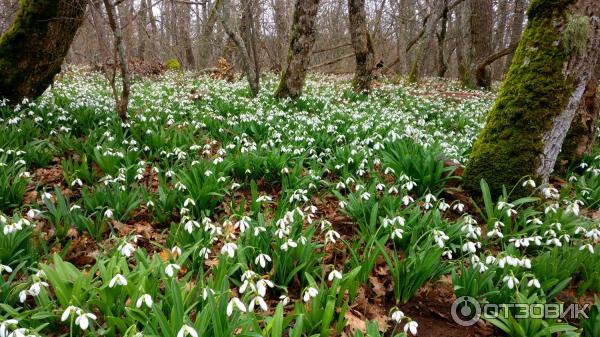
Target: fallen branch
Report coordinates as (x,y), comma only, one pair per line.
(331,62)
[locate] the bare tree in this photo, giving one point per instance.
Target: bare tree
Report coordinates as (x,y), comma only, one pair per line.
(363,47)
(480,32)
(120,58)
(242,46)
(302,39)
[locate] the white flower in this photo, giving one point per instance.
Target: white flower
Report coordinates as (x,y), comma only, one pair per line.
(334,274)
(529,182)
(588,246)
(260,301)
(534,282)
(237,303)
(187,330)
(170,269)
(397,316)
(144,299)
(229,249)
(412,327)
(310,293)
(108,213)
(119,280)
(5,268)
(331,236)
(510,281)
(289,243)
(83,320)
(126,249)
(5,325)
(262,259)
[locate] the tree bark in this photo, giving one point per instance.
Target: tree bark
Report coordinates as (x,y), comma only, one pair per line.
(363,47)
(302,39)
(33,48)
(540,96)
(251,74)
(582,134)
(122,102)
(441,39)
(516,28)
(480,25)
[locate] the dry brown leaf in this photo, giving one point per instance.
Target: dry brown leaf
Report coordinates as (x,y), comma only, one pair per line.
(378,286)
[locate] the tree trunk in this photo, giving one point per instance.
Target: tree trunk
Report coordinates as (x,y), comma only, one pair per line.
(33,48)
(302,39)
(480,25)
(363,48)
(540,96)
(582,134)
(251,74)
(122,102)
(441,39)
(516,29)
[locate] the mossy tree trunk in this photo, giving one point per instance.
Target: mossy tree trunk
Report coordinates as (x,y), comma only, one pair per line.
(363,47)
(302,39)
(582,134)
(539,98)
(33,48)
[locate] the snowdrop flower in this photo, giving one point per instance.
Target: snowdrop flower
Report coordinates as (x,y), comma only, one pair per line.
(495,233)
(412,327)
(289,243)
(144,299)
(187,330)
(119,280)
(237,303)
(243,223)
(529,182)
(447,254)
(5,325)
(397,233)
(470,247)
(334,274)
(260,301)
(83,320)
(5,268)
(170,269)
(126,249)
(586,246)
(310,293)
(397,316)
(176,250)
(534,283)
(440,238)
(108,213)
(189,201)
(510,281)
(264,198)
(331,236)
(204,252)
(70,310)
(407,199)
(229,249)
(262,260)
(262,285)
(459,207)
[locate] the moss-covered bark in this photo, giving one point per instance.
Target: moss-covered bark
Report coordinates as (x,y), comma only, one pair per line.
(535,93)
(33,48)
(302,38)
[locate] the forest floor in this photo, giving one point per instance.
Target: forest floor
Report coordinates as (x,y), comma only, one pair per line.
(212,212)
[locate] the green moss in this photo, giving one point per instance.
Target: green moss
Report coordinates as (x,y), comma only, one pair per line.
(413,75)
(534,91)
(173,64)
(574,36)
(540,9)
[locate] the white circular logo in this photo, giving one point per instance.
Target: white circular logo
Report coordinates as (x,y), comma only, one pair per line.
(466,311)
